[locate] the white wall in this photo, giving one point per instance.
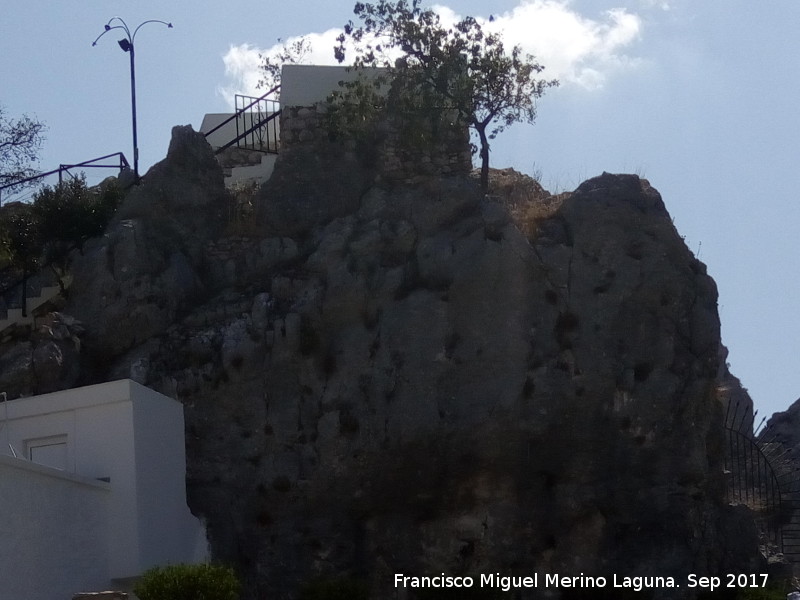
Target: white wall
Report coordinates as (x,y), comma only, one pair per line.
(167,530)
(223,135)
(305,85)
(53,532)
(133,436)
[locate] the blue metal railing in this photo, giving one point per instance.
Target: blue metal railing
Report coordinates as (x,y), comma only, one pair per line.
(121,163)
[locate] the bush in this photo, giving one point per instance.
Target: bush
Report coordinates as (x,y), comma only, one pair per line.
(462,594)
(773,592)
(188,582)
(60,218)
(20,237)
(334,588)
(70,213)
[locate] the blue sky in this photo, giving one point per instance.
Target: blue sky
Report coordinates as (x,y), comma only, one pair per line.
(699,97)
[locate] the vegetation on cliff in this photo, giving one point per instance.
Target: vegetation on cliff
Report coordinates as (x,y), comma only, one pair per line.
(461,72)
(60,218)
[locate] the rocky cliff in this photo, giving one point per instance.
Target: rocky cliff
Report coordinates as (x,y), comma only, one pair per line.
(419,378)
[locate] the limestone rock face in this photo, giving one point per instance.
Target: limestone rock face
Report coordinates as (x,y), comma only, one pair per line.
(785,426)
(130,284)
(309,187)
(16,370)
(419,378)
(48,361)
(429,390)
(780,440)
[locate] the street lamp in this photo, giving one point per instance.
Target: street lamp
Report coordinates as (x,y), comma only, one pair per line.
(126,44)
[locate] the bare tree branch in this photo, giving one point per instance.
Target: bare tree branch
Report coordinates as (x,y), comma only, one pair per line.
(20,142)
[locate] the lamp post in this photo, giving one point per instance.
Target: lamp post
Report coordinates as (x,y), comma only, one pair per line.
(126,44)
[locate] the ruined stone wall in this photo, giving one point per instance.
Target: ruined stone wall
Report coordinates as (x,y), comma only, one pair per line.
(233,259)
(394,158)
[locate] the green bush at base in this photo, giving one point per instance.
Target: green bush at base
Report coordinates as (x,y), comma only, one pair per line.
(334,588)
(188,582)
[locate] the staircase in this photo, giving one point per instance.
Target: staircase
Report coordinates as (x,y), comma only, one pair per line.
(246,142)
(242,166)
(42,287)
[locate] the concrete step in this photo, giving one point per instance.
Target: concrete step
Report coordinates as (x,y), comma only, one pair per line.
(14,316)
(258,173)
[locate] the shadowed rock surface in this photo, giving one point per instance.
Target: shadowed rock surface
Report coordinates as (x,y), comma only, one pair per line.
(422,379)
(131,284)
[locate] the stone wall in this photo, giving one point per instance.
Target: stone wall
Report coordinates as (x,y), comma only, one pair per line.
(234,259)
(394,159)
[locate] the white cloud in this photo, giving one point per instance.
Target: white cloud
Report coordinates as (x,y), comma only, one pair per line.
(242,62)
(662,4)
(573,48)
(241,71)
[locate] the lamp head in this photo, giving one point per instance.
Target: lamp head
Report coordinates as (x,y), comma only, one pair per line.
(125,45)
(108,26)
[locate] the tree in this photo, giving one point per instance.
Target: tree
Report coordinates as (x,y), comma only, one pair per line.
(20,141)
(60,218)
(70,213)
(21,242)
(461,68)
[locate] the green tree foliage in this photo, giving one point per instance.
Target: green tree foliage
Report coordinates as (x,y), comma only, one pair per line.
(21,242)
(188,582)
(60,219)
(354,109)
(71,213)
(443,71)
(20,142)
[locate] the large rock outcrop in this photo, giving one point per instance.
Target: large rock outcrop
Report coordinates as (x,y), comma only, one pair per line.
(425,390)
(48,360)
(422,379)
(131,284)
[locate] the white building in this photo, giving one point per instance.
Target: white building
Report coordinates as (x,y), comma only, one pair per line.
(92,491)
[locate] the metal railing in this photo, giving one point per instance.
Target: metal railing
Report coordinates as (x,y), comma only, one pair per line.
(761,473)
(121,163)
(256,123)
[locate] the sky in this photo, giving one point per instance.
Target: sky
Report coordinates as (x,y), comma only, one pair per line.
(699,97)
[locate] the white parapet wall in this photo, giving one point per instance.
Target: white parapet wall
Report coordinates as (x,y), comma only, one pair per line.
(54,531)
(126,440)
(307,85)
(221,136)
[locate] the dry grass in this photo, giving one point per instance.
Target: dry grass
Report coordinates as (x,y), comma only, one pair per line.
(526,200)
(241,211)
